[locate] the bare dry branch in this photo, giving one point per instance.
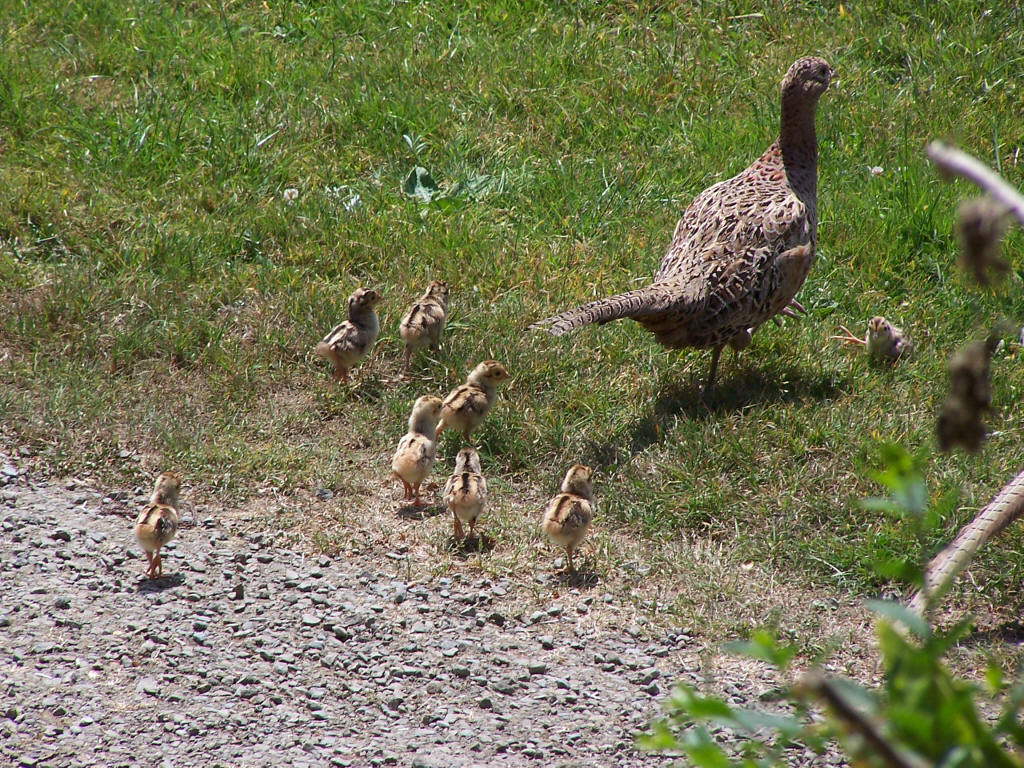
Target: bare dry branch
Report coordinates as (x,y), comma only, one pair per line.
(958,163)
(945,566)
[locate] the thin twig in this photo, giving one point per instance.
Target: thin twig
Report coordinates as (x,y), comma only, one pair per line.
(855,722)
(958,163)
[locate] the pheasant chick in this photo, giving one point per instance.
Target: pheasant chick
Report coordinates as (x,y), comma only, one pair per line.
(416,451)
(423,323)
(884,341)
(466,491)
(468,404)
(568,514)
(157,523)
(351,340)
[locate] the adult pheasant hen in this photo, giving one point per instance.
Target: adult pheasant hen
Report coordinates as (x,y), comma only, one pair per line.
(743,247)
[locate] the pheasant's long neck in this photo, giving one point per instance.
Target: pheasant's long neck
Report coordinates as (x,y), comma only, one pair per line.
(797,124)
(798,145)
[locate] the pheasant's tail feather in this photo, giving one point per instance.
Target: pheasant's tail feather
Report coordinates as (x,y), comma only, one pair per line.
(944,567)
(642,302)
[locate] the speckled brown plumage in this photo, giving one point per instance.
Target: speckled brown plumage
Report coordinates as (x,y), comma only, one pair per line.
(465,493)
(424,321)
(414,457)
(157,522)
(467,405)
(568,514)
(743,247)
(352,339)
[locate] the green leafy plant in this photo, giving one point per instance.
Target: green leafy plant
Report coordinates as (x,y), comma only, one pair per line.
(922,715)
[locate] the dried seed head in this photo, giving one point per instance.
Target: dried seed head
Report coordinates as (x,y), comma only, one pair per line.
(959,426)
(970,395)
(980,225)
(969,375)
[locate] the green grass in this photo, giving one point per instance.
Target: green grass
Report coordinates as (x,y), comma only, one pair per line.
(160,297)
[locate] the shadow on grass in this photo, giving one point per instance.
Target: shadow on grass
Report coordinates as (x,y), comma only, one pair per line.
(1010,632)
(731,394)
(161,584)
(582,578)
(470,546)
(422,512)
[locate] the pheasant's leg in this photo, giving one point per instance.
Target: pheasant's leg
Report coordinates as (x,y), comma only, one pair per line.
(715,354)
(568,551)
(440,426)
(472,527)
(465,434)
(158,565)
(408,357)
(459,533)
(149,565)
(797,306)
(416,501)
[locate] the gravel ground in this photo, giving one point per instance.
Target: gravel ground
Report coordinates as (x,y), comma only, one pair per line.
(249,653)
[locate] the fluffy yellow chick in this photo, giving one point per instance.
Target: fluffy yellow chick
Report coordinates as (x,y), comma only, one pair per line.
(157,523)
(466,491)
(568,514)
(351,340)
(467,405)
(416,451)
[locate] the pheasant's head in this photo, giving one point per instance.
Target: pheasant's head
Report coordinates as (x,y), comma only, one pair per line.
(363,300)
(467,460)
(438,291)
(166,489)
(489,373)
(879,329)
(426,412)
(807,78)
(579,480)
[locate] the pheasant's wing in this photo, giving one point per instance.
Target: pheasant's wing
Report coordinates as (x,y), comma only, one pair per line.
(753,210)
(342,336)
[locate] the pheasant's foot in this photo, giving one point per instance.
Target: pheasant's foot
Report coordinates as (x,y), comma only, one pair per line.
(849,338)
